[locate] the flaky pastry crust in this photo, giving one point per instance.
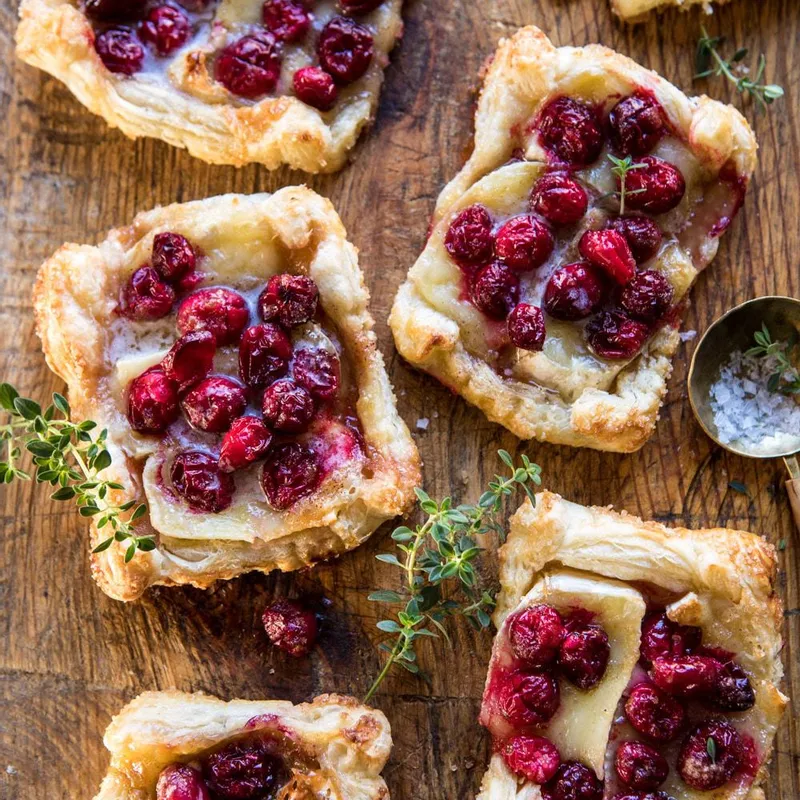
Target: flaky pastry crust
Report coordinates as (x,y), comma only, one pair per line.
(350,742)
(75,301)
(188,109)
(526,72)
(636,10)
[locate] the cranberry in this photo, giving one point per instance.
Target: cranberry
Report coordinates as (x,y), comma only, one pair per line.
(214,404)
(197,479)
(734,690)
(710,755)
(642,796)
(640,766)
(663,637)
(469,239)
(523,243)
(570,131)
(190,359)
(247,440)
(221,311)
(287,20)
(290,472)
(657,187)
(181,782)
(152,402)
(536,634)
(573,781)
(166,28)
(642,234)
(146,296)
(345,49)
(318,371)
(290,627)
(173,256)
(495,290)
(264,354)
(526,327)
(613,334)
(654,713)
(289,300)
(250,66)
(636,124)
(559,198)
(687,676)
(609,250)
(533,757)
(574,291)
(315,88)
(119,51)
(583,656)
(287,407)
(113,9)
(359,6)
(530,698)
(245,770)
(648,296)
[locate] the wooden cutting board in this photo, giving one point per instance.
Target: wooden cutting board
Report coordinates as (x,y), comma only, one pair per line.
(71,657)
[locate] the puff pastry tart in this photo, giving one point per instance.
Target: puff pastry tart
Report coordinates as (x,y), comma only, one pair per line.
(546,295)
(176,746)
(632,661)
(233,81)
(227,348)
(636,10)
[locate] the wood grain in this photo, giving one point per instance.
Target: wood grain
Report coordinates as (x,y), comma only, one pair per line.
(71,656)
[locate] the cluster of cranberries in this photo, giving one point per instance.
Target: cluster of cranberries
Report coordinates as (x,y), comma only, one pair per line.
(289,385)
(608,279)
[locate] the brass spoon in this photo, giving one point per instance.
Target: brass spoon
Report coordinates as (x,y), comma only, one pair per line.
(734,331)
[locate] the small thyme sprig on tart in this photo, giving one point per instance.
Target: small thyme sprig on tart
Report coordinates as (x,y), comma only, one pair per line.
(765,347)
(621,168)
(65,454)
(441,551)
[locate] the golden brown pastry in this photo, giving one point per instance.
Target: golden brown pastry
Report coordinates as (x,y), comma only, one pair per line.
(636,10)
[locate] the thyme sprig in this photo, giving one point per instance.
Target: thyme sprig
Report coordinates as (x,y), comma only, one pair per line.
(709,62)
(66,454)
(621,168)
(441,551)
(786,378)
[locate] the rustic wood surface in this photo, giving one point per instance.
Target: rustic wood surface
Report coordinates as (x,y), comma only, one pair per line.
(71,657)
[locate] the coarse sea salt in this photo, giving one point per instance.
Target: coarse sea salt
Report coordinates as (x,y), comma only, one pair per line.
(747,414)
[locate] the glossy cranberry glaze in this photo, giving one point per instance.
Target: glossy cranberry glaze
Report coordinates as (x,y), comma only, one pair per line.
(245,770)
(287,20)
(290,473)
(145,296)
(152,402)
(247,440)
(119,50)
(173,256)
(656,187)
(264,353)
(687,676)
(196,477)
(574,291)
(533,757)
(570,131)
(289,300)
(495,290)
(469,239)
(318,371)
(526,327)
(181,782)
(642,234)
(190,359)
(613,335)
(609,251)
(287,407)
(583,656)
(250,67)
(640,766)
(291,627)
(636,125)
(108,10)
(214,403)
(219,310)
(654,714)
(648,296)
(523,243)
(710,755)
(560,199)
(165,29)
(573,781)
(315,88)
(530,698)
(663,637)
(345,49)
(734,691)
(536,633)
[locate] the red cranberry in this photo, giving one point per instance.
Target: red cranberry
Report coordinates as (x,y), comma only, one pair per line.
(608,250)
(247,440)
(318,372)
(173,256)
(359,6)
(264,354)
(250,66)
(523,243)
(574,291)
(636,124)
(113,9)
(289,300)
(214,404)
(469,239)
(190,359)
(181,782)
(640,766)
(613,334)
(290,627)
(573,781)
(245,770)
(145,296)
(166,28)
(533,757)
(287,20)
(648,296)
(314,87)
(710,755)
(734,690)
(530,698)
(345,49)
(536,634)
(583,656)
(656,187)
(495,290)
(197,479)
(642,796)
(642,234)
(290,472)
(221,311)
(526,327)
(663,637)
(287,407)
(119,51)
(654,713)
(687,676)
(570,131)
(559,198)
(152,402)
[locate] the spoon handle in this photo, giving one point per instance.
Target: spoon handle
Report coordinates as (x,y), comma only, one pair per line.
(793,488)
